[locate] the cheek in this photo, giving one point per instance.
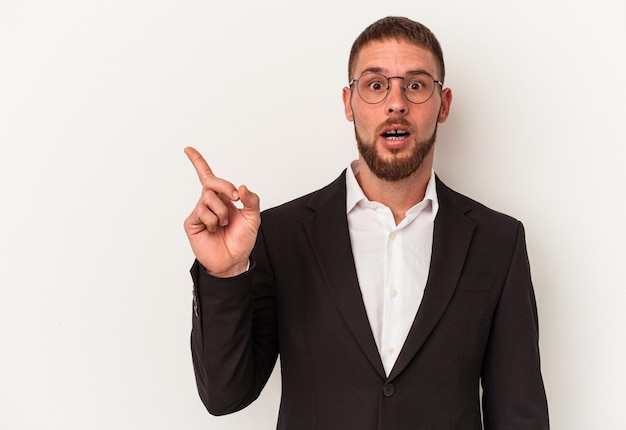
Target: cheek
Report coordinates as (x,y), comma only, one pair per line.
(364,125)
(433,120)
(428,121)
(364,119)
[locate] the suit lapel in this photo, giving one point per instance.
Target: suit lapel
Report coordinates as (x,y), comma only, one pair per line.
(451,238)
(327,229)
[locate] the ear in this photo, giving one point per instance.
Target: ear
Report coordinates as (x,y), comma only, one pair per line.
(446,102)
(347,106)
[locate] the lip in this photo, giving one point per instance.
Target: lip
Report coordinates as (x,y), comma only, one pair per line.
(395,144)
(396,127)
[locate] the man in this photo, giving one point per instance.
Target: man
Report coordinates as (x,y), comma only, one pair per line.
(390,298)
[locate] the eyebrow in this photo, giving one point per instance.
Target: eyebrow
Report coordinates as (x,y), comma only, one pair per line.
(380,71)
(372,70)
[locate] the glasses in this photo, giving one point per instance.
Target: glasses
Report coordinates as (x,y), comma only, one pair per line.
(417,87)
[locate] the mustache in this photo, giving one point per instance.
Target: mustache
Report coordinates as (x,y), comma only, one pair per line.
(396,120)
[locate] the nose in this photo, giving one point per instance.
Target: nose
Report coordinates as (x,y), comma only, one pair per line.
(396,103)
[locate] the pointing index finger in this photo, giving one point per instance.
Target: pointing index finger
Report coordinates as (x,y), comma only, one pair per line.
(199,163)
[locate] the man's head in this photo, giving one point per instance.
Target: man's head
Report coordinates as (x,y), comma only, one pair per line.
(397,28)
(396,97)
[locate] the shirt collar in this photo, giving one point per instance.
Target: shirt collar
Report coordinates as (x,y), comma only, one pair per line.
(354,192)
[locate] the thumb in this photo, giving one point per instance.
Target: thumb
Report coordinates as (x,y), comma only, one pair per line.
(249,200)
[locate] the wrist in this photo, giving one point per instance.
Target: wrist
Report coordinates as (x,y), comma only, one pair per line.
(232,271)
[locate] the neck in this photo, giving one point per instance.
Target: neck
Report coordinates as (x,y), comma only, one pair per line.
(399,196)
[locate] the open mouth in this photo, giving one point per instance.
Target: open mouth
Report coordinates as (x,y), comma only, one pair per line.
(395,134)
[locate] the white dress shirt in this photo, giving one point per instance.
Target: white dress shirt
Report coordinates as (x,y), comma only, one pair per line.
(392,262)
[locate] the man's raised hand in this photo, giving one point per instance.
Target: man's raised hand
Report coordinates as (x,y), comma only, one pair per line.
(221,234)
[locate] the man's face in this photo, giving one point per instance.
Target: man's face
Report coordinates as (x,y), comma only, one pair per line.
(395,137)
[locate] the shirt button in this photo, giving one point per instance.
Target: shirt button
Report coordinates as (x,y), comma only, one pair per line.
(393,292)
(388,390)
(392,236)
(390,350)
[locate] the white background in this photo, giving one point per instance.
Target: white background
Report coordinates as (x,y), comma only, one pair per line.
(98,99)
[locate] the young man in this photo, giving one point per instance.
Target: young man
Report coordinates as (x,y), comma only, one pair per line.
(389,297)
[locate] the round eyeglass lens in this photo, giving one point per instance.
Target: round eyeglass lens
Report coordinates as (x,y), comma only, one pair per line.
(419,87)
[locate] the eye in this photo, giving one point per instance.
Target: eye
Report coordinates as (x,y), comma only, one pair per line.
(373,83)
(375,86)
(415,84)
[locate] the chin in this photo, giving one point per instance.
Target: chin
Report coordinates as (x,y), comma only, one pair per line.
(393,166)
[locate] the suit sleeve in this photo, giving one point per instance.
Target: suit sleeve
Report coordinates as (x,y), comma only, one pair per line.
(513,392)
(234,338)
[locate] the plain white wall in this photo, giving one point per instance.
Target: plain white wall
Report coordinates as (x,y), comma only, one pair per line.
(98,99)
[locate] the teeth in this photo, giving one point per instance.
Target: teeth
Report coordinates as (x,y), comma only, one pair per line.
(395,134)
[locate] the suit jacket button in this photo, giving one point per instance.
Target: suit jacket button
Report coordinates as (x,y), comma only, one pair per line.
(388,390)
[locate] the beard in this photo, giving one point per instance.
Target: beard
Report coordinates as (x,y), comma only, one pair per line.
(396,167)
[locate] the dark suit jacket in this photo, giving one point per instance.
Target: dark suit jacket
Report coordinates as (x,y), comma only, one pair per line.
(477,323)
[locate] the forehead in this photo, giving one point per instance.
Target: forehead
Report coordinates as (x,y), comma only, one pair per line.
(393,58)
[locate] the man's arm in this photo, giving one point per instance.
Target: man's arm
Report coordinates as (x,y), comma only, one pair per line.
(234,337)
(513,391)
